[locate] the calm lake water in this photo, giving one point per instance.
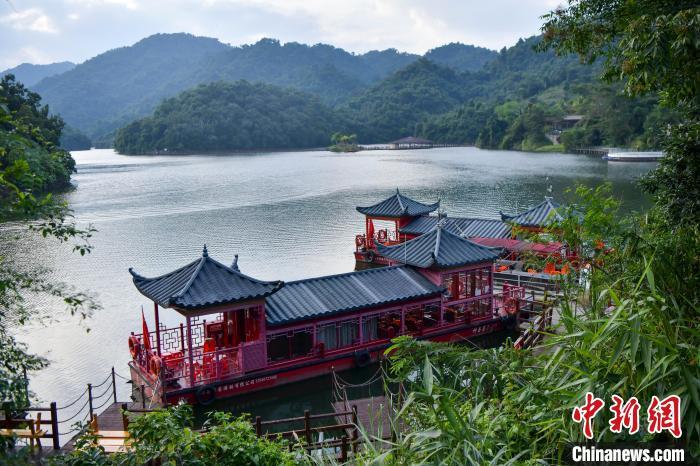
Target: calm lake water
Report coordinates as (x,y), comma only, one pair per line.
(289,215)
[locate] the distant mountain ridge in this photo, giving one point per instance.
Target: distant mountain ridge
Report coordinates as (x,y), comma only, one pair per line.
(118,86)
(29,74)
(512,101)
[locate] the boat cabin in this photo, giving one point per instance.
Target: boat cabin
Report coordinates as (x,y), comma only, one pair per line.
(397,209)
(239,334)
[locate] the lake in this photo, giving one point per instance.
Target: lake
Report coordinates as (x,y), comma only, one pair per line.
(289,215)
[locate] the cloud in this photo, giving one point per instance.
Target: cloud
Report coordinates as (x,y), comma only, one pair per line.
(31,19)
(128,4)
(80,29)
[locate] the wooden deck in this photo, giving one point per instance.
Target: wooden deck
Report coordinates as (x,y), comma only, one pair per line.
(373,415)
(111,419)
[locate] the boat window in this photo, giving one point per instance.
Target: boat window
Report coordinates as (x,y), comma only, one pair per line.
(328,335)
(277,347)
(301,342)
(389,325)
(414,319)
(431,315)
(455,313)
(370,327)
(480,309)
(349,332)
(338,334)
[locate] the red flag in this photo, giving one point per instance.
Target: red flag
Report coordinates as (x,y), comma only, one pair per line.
(146,336)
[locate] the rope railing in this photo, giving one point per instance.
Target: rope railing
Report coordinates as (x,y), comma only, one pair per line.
(76,413)
(102,405)
(107,390)
(80,397)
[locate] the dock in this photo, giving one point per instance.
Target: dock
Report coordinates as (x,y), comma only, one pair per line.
(373,415)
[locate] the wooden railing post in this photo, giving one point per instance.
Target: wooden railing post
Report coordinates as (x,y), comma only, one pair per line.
(90,398)
(355,430)
(125,416)
(54,426)
(258,426)
(344,449)
(114,385)
(182,337)
(307,426)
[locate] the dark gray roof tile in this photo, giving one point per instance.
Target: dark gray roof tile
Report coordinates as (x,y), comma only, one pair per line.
(335,294)
(202,283)
(438,248)
(465,227)
(543,214)
(397,206)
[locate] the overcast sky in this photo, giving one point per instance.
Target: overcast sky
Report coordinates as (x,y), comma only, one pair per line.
(45,31)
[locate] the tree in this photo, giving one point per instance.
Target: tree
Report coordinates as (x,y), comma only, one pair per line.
(652,47)
(31,166)
(167,437)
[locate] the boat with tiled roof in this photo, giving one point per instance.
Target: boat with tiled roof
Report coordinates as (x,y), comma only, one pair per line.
(240,334)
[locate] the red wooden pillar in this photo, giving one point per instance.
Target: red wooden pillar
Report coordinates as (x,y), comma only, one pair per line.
(455,286)
(491,272)
(157,318)
(189,348)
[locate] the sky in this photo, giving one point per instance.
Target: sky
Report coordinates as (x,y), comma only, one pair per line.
(46,31)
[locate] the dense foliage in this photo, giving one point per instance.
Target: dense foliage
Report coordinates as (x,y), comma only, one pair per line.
(461,57)
(231,116)
(167,437)
(72,139)
(633,332)
(31,165)
(633,329)
(30,159)
(512,103)
(113,88)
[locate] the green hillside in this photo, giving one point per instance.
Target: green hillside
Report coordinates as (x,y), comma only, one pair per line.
(31,163)
(461,57)
(29,74)
(118,86)
(226,116)
(516,101)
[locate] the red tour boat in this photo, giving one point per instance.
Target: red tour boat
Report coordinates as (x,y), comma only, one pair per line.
(239,334)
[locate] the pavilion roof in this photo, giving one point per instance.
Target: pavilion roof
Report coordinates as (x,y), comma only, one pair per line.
(202,283)
(543,214)
(335,294)
(465,227)
(438,248)
(397,206)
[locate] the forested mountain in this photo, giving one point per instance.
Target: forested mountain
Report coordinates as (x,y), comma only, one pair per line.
(110,90)
(118,86)
(461,57)
(394,107)
(226,116)
(456,93)
(29,74)
(515,101)
(113,88)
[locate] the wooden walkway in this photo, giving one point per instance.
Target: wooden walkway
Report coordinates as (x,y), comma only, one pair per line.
(373,415)
(111,419)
